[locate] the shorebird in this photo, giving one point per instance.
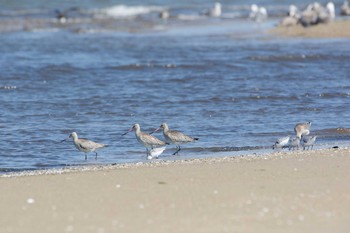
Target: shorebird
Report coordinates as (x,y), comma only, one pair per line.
(281,142)
(61,16)
(293,17)
(345,8)
(165,14)
(257,13)
(148,141)
(309,141)
(215,11)
(295,142)
(327,14)
(315,13)
(174,137)
(84,145)
(155,152)
(302,129)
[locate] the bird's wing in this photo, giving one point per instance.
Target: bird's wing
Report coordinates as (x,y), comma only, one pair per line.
(151,140)
(87,144)
(177,136)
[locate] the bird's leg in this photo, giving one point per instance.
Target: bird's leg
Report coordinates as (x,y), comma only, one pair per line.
(178,149)
(85,156)
(96,156)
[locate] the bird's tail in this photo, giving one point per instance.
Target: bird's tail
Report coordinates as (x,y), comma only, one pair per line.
(196,139)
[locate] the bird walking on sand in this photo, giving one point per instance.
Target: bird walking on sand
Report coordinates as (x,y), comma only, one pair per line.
(309,141)
(84,145)
(302,129)
(281,142)
(148,141)
(294,143)
(174,137)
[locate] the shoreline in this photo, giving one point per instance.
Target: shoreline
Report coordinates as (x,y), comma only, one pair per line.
(300,191)
(162,163)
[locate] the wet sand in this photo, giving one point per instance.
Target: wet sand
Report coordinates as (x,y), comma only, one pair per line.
(337,29)
(279,192)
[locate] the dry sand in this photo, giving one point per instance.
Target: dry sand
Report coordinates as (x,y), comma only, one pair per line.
(337,29)
(280,192)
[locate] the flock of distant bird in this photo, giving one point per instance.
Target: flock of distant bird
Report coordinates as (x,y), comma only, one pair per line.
(155,146)
(300,140)
(313,14)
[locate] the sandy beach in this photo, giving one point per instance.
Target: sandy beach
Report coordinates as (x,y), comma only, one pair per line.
(335,29)
(279,192)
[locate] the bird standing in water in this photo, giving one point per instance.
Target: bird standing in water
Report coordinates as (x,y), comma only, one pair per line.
(85,145)
(175,137)
(148,141)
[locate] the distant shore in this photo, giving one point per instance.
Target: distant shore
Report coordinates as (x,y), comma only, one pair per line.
(337,29)
(301,191)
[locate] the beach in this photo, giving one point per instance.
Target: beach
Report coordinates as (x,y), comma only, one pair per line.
(335,29)
(237,84)
(301,191)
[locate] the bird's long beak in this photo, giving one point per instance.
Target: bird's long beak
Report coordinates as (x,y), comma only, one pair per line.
(128,131)
(155,130)
(64,140)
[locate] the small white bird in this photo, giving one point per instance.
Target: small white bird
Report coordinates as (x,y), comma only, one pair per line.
(84,145)
(154,146)
(165,14)
(258,14)
(215,11)
(327,14)
(302,129)
(331,10)
(294,143)
(281,142)
(293,17)
(309,141)
(155,152)
(175,137)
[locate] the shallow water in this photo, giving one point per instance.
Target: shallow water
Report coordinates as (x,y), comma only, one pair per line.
(223,80)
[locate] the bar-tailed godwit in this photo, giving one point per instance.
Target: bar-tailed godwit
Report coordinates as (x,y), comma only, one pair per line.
(174,137)
(85,145)
(148,141)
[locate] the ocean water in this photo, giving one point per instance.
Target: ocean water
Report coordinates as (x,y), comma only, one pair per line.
(112,64)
